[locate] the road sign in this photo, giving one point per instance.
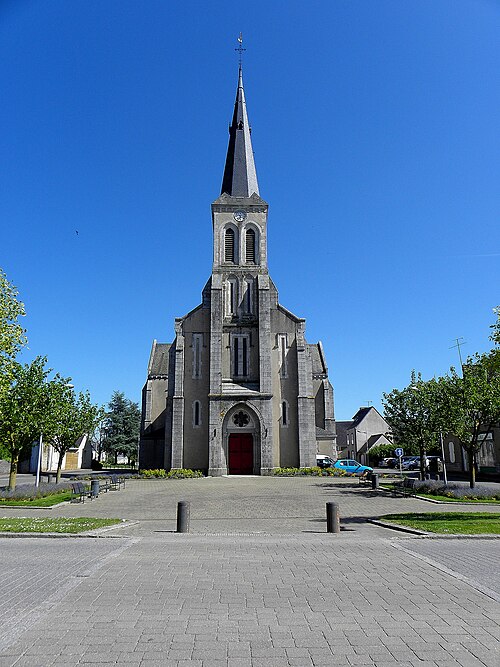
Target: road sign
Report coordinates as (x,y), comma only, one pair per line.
(399,452)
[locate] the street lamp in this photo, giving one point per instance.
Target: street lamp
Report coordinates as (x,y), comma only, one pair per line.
(366,443)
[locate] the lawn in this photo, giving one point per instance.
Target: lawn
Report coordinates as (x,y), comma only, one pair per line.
(43,501)
(55,525)
(454,523)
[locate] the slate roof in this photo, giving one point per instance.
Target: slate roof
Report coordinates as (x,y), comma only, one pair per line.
(240,177)
(158,362)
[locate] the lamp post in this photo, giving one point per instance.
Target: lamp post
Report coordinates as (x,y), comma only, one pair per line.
(366,443)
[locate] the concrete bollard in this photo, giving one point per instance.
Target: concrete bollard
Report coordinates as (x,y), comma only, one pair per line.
(183,515)
(332,518)
(374,480)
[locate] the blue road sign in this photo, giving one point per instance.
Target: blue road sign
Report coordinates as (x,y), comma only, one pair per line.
(399,452)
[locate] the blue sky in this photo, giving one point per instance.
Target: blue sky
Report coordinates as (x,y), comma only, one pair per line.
(375,132)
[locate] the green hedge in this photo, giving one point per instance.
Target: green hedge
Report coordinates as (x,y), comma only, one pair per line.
(181,473)
(314,472)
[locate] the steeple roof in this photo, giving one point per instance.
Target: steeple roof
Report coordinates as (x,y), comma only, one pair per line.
(240,177)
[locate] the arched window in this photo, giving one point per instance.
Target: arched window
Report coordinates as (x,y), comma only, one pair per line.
(229,244)
(250,247)
(196,414)
(284,413)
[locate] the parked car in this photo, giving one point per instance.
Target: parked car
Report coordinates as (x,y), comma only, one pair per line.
(352,466)
(408,462)
(432,464)
(323,461)
(389,462)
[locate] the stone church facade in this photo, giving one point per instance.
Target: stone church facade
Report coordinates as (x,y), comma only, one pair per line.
(239,391)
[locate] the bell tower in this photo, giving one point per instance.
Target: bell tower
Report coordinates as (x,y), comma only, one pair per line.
(240,308)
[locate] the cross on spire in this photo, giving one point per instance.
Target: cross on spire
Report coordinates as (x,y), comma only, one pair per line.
(240,48)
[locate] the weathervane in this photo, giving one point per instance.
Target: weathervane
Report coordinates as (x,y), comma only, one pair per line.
(240,48)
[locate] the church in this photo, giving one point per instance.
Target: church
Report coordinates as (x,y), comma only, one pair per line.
(239,391)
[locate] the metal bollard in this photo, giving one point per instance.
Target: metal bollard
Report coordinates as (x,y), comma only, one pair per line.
(332,518)
(94,488)
(183,512)
(374,480)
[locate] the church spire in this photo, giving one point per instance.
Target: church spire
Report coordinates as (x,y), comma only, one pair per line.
(240,177)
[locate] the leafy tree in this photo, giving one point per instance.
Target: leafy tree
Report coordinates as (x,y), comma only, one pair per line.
(122,427)
(72,416)
(475,403)
(23,410)
(416,414)
(12,335)
(495,335)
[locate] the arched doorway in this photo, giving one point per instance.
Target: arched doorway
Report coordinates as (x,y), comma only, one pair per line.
(241,429)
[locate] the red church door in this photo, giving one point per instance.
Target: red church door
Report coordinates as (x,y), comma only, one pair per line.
(240,448)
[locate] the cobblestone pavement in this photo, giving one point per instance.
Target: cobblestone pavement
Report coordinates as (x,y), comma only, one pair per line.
(256,583)
(243,504)
(475,561)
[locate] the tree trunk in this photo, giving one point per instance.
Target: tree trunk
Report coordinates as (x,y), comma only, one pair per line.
(13,470)
(472,468)
(59,467)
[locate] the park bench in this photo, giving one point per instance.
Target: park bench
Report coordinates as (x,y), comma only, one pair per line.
(406,488)
(79,492)
(112,483)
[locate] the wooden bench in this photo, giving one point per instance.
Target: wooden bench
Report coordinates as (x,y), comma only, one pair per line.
(79,492)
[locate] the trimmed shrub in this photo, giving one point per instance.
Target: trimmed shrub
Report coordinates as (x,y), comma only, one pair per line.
(161,473)
(315,471)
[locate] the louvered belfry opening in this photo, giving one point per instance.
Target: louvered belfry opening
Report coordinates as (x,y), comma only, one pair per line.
(229,246)
(250,247)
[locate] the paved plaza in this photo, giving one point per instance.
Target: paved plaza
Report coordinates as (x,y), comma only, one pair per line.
(257,582)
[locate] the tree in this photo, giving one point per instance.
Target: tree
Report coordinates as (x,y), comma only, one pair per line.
(23,410)
(474,400)
(495,335)
(12,335)
(416,414)
(121,427)
(72,416)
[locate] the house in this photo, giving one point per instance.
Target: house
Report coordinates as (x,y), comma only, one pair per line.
(365,430)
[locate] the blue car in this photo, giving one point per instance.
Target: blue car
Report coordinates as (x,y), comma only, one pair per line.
(352,466)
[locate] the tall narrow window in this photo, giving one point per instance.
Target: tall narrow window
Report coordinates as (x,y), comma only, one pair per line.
(231,290)
(240,355)
(250,247)
(284,413)
(196,414)
(248,298)
(229,246)
(282,346)
(197,348)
